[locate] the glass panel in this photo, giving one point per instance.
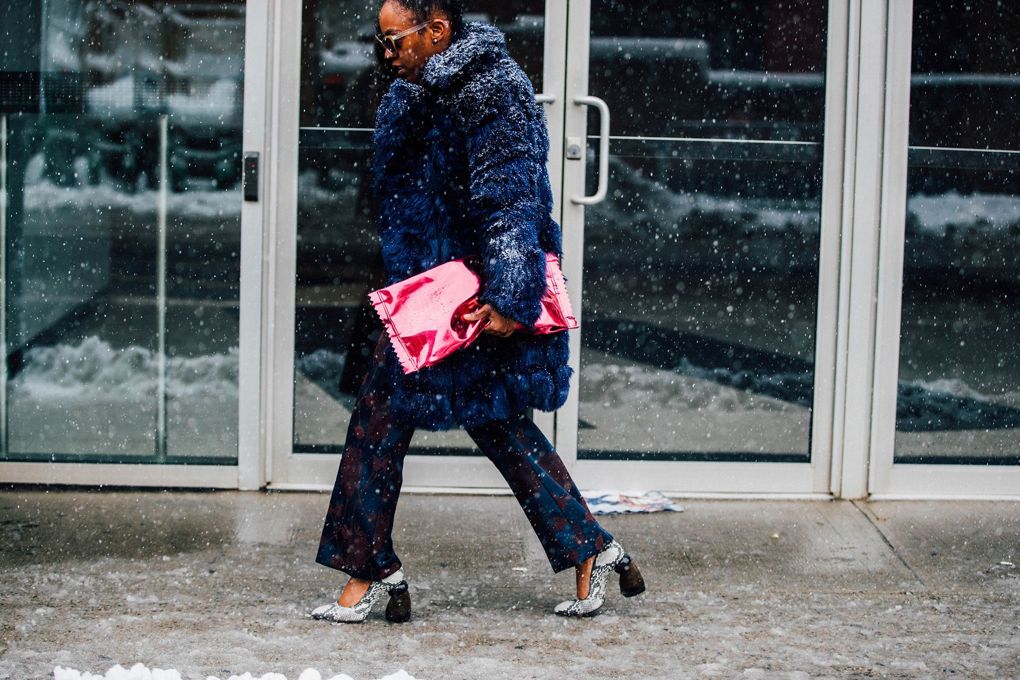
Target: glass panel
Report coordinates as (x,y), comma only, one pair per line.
(965,61)
(959,392)
(121,308)
(338,259)
(204,226)
(701,266)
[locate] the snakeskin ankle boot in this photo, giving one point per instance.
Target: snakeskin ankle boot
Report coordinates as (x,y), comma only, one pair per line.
(398,610)
(613,558)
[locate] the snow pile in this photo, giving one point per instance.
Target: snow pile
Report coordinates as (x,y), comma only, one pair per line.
(639,204)
(690,388)
(921,405)
(43,195)
(324,368)
(952,404)
(141,672)
(219,104)
(72,373)
(978,212)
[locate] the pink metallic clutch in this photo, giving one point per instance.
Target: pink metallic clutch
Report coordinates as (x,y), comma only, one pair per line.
(422,314)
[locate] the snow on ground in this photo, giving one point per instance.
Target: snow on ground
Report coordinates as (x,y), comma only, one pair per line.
(634,407)
(142,672)
(215,584)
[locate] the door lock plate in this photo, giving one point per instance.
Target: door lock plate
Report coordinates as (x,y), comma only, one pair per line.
(575,148)
(250,179)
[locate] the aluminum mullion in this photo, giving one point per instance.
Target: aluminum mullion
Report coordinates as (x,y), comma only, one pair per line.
(553,98)
(251,406)
(281,244)
(3,285)
(161,239)
(575,120)
(862,249)
(849,174)
(893,234)
(827,316)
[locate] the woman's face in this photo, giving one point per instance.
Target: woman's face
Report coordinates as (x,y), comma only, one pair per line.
(414,49)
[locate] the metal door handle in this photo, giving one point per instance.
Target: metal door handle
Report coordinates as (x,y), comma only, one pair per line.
(600,193)
(545,98)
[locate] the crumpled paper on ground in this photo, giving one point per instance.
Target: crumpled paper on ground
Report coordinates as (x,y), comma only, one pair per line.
(605,502)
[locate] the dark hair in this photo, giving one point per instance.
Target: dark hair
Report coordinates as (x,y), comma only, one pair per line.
(422,9)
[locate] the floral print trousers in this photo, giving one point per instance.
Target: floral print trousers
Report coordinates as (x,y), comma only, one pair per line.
(356,533)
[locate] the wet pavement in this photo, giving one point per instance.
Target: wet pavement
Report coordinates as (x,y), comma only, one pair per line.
(218,583)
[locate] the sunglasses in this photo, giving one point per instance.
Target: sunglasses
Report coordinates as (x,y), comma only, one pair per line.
(391,42)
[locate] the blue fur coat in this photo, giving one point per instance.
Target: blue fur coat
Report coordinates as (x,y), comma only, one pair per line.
(460,169)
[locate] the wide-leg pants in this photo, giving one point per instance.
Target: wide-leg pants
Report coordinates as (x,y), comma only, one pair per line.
(356,534)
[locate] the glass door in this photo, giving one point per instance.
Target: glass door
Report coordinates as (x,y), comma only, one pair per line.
(121,131)
(694,231)
(949,390)
(327,248)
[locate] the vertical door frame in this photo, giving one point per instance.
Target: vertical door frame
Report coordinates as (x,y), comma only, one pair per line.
(863,164)
(887,479)
(554,86)
(281,238)
(893,214)
(568,182)
(827,407)
(255,216)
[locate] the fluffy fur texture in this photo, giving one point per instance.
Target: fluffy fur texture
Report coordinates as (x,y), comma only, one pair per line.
(460,169)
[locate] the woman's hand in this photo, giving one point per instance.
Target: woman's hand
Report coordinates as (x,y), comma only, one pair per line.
(499,325)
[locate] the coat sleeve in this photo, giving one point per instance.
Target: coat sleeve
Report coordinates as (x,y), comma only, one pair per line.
(507,147)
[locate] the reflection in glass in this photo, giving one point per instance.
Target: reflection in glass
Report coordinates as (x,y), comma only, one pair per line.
(338,258)
(121,312)
(701,267)
(964,89)
(742,69)
(958,398)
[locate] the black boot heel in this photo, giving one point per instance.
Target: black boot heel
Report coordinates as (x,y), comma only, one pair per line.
(399,608)
(631,583)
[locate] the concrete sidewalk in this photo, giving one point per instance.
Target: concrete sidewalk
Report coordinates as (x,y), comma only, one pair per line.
(218,583)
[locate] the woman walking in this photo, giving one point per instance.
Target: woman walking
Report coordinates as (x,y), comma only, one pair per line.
(459,170)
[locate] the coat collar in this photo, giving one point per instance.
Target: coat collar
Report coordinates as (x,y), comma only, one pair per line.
(404,111)
(475,45)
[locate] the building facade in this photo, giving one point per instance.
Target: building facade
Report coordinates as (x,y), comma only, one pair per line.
(790,234)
